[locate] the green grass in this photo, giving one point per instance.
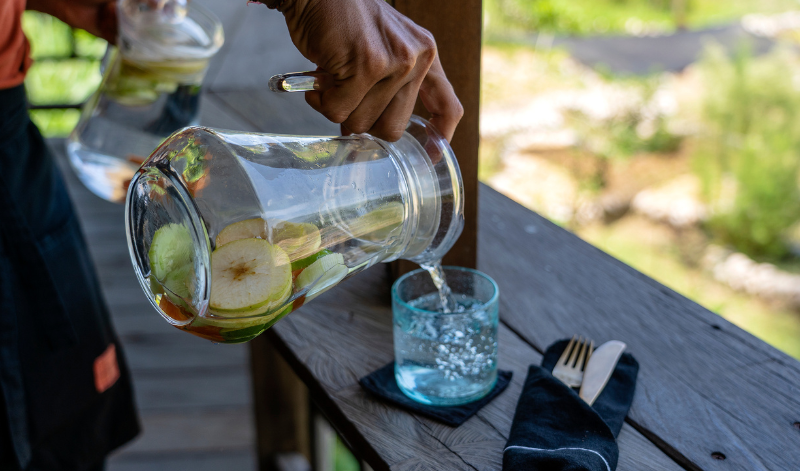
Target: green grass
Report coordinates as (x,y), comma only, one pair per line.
(343,460)
(652,249)
(748,156)
(582,17)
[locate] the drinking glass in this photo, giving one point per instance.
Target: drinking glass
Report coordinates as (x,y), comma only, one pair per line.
(445,359)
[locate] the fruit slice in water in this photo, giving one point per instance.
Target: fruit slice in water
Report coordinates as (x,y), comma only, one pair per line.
(379,224)
(298,240)
(249,276)
(171,248)
(236,334)
(179,284)
(247,229)
(322,275)
(305,262)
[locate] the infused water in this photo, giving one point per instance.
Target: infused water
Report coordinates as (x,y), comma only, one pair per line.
(449,358)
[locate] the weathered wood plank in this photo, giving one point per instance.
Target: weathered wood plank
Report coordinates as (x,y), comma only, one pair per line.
(282,414)
(704,385)
(193,389)
(347,333)
(179,350)
(191,461)
(284,113)
(260,49)
(199,430)
(232,15)
(194,396)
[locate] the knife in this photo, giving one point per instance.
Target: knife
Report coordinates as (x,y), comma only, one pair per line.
(599,369)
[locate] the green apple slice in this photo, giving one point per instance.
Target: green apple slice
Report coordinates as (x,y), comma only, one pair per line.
(299,240)
(233,333)
(305,262)
(249,277)
(232,324)
(322,275)
(170,249)
(247,229)
(180,283)
(379,224)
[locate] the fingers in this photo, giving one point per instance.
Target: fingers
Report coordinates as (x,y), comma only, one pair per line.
(391,124)
(338,102)
(440,100)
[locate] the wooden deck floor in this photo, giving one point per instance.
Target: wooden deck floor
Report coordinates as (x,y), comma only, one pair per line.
(194,397)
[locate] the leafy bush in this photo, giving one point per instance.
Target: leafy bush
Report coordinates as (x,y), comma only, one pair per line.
(59,78)
(580,17)
(637,126)
(748,158)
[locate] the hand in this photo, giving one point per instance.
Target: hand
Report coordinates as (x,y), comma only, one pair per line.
(99,17)
(380,61)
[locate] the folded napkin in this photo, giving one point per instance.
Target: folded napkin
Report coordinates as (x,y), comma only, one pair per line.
(554,430)
(381,382)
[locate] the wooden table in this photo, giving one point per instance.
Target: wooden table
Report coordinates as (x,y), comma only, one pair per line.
(709,395)
(706,388)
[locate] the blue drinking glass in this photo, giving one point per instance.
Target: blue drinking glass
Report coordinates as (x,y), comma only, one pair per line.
(445,359)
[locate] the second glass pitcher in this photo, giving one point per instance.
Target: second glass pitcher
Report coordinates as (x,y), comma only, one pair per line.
(231,231)
(150,89)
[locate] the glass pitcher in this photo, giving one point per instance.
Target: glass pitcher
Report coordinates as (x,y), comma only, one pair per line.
(150,89)
(230,231)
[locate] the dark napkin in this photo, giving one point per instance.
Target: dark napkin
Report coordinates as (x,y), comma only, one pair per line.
(554,430)
(383,384)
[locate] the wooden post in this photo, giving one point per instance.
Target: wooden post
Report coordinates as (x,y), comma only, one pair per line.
(456,25)
(281,405)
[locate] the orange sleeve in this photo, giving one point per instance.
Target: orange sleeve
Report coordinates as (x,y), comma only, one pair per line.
(14,48)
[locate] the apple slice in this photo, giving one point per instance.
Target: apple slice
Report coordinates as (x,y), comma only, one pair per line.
(180,284)
(249,277)
(298,240)
(171,248)
(247,229)
(322,275)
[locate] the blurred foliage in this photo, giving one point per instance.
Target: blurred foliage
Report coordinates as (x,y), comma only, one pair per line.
(53,123)
(749,155)
(653,249)
(581,17)
(66,70)
(62,82)
(635,129)
(343,459)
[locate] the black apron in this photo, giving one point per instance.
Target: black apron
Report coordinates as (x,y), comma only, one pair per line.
(56,411)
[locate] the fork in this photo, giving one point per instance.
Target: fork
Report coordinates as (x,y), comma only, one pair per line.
(572,362)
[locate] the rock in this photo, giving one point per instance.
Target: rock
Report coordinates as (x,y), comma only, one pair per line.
(677,202)
(741,273)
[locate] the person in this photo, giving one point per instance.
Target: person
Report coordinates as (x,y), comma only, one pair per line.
(66,399)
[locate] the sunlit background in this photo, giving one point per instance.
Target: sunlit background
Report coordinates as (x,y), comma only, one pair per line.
(688,172)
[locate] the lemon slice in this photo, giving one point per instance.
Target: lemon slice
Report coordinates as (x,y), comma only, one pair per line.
(249,277)
(322,275)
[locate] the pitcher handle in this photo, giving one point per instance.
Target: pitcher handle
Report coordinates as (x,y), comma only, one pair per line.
(300,82)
